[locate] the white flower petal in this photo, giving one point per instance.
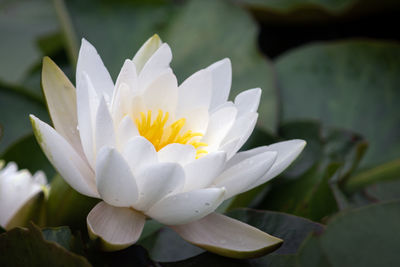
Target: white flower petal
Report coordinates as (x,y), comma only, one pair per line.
(155,65)
(195,91)
(228,237)
(240,131)
(16,189)
(139,153)
(87,103)
(161,93)
(178,153)
(237,178)
(221,82)
(121,103)
(187,207)
(221,121)
(61,101)
(146,51)
(63,157)
(248,101)
(128,76)
(196,120)
(117,227)
(126,130)
(90,62)
(201,173)
(114,178)
(40,178)
(157,181)
(10,168)
(105,134)
(287,151)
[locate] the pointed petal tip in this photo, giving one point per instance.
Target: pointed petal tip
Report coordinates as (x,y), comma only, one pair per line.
(228,237)
(155,38)
(46,60)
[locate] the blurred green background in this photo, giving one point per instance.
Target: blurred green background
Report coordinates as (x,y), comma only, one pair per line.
(330,74)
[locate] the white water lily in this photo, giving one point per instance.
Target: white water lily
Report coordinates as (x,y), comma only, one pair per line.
(20,192)
(150,148)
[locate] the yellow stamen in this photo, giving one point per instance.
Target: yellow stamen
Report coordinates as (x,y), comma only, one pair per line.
(161,135)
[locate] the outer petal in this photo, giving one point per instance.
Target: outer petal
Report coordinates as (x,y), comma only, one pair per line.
(90,62)
(61,101)
(68,163)
(221,82)
(117,227)
(157,181)
(228,237)
(115,181)
(179,153)
(146,51)
(195,91)
(187,207)
(105,134)
(248,101)
(139,153)
(287,153)
(202,172)
(237,178)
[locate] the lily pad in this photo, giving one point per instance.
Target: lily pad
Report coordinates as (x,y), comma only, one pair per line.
(362,237)
(349,84)
(22,24)
(15,109)
(27,247)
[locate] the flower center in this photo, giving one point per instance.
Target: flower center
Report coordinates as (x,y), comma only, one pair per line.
(161,135)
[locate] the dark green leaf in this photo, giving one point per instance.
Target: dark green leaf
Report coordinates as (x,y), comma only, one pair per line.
(22,23)
(61,235)
(27,247)
(349,84)
(363,237)
(15,109)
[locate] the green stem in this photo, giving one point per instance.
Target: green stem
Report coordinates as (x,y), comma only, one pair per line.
(68,31)
(384,172)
